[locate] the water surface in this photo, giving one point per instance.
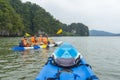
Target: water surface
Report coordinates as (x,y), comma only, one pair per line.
(102,53)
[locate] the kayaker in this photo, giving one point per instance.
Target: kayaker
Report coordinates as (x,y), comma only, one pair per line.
(40,40)
(33,40)
(45,39)
(24,42)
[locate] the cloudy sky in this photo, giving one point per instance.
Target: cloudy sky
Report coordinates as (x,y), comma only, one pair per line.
(96,14)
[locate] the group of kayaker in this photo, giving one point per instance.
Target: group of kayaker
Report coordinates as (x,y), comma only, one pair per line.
(33,40)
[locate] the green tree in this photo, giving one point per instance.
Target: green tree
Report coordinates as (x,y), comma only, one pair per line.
(79,29)
(10,21)
(16,18)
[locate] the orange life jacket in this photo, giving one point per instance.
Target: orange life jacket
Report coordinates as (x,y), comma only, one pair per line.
(40,39)
(45,40)
(33,39)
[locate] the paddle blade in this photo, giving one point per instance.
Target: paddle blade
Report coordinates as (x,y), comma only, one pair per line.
(59,31)
(44,46)
(27,35)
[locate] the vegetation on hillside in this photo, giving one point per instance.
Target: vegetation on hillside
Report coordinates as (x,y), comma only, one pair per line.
(17,18)
(76,29)
(10,22)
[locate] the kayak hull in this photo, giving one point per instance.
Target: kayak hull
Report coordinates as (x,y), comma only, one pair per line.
(17,48)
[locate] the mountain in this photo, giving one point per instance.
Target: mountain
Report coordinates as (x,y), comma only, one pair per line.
(101,33)
(117,34)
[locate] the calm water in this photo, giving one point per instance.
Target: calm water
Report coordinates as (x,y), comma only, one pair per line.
(102,53)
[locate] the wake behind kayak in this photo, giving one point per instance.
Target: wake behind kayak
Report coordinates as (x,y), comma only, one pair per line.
(66,63)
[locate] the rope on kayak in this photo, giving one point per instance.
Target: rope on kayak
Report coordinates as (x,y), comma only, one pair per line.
(51,60)
(57,76)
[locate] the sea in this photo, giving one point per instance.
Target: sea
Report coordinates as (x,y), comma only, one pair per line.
(102,53)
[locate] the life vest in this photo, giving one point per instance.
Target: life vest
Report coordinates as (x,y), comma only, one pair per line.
(40,39)
(33,40)
(45,40)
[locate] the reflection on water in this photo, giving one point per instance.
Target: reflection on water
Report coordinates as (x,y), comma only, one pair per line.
(28,55)
(45,53)
(25,55)
(22,65)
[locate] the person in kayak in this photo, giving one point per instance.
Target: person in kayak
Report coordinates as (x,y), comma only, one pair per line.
(24,42)
(40,40)
(48,41)
(45,40)
(33,40)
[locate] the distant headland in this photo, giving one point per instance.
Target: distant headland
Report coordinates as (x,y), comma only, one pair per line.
(102,33)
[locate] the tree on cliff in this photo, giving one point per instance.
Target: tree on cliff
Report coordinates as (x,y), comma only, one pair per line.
(10,22)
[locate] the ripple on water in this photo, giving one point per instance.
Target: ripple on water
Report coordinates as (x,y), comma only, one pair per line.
(102,53)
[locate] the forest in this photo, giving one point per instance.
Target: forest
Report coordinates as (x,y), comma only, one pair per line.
(18,18)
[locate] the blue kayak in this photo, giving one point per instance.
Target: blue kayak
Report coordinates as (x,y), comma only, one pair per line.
(66,63)
(18,48)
